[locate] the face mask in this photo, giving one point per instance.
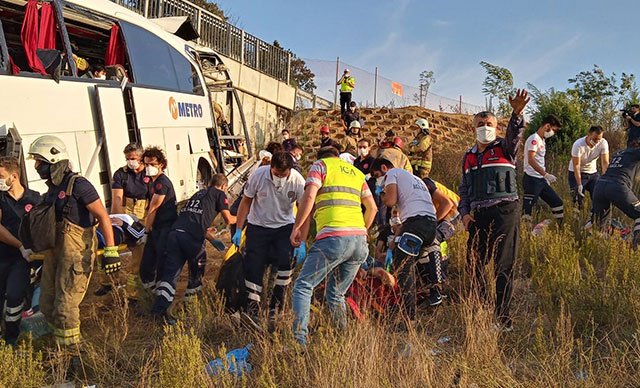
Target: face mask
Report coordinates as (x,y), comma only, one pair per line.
(485,134)
(363,151)
(549,134)
(592,143)
(102,77)
(133,164)
(352,109)
(380,181)
(4,186)
(44,170)
(279,181)
(152,170)
(298,157)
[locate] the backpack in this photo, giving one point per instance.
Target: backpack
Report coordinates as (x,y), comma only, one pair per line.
(230,283)
(37,228)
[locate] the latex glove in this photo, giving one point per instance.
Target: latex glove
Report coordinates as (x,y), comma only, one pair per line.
(379,190)
(237,237)
(388,260)
(581,190)
(143,240)
(26,253)
(300,252)
(550,178)
(111,260)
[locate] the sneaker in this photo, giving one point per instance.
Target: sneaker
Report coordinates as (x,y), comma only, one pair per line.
(435,298)
(503,327)
(103,290)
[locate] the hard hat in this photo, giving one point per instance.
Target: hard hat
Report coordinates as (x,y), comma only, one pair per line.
(48,148)
(324,129)
(398,142)
(346,71)
(423,124)
(355,124)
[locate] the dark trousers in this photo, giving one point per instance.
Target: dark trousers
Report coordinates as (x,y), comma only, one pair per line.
(535,188)
(405,266)
(14,283)
(431,267)
(153,255)
(609,193)
(267,246)
(345,100)
(588,182)
(181,247)
(494,235)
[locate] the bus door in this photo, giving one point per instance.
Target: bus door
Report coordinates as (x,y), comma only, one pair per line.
(114,130)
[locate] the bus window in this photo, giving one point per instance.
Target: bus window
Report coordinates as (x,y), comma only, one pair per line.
(157,64)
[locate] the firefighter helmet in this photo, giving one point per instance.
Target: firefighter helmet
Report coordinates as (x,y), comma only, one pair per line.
(49,149)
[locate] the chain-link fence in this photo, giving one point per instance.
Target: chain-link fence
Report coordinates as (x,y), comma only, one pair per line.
(375,90)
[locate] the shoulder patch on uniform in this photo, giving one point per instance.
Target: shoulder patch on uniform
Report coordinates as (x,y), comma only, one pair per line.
(226,201)
(28,207)
(534,142)
(365,166)
(61,194)
(146,179)
(158,186)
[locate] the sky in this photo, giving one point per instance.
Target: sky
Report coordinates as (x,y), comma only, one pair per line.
(544,42)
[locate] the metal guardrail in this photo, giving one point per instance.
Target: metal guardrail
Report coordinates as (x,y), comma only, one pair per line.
(220,35)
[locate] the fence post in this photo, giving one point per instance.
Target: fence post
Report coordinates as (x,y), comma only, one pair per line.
(460,106)
(228,47)
(146,8)
(199,26)
(242,47)
(160,8)
(257,54)
(288,68)
(314,101)
(335,92)
(375,87)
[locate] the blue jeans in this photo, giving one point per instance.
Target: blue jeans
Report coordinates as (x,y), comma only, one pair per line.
(339,258)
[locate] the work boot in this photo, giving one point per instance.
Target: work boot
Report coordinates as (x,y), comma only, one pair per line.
(435,297)
(103,290)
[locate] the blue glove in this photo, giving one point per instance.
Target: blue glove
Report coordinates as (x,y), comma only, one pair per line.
(379,190)
(300,253)
(388,260)
(237,237)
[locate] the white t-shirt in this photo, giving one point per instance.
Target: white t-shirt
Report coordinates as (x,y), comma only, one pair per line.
(413,196)
(588,155)
(538,145)
(272,207)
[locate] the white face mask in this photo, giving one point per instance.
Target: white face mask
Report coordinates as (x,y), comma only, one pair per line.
(152,170)
(593,143)
(4,186)
(380,181)
(363,151)
(485,134)
(133,164)
(298,157)
(549,134)
(279,182)
(104,76)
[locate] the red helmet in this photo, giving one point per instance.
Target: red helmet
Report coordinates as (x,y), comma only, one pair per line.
(398,142)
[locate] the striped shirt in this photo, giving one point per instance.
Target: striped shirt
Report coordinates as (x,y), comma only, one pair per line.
(316,177)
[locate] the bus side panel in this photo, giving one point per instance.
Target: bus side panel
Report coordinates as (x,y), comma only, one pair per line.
(179,160)
(114,125)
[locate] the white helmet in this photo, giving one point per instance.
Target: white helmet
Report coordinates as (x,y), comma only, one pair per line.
(355,124)
(48,148)
(423,124)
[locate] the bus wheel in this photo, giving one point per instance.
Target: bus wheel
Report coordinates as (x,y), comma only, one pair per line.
(204,174)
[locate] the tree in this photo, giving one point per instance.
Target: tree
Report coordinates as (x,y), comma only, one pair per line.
(425,80)
(211,7)
(301,76)
(602,96)
(499,85)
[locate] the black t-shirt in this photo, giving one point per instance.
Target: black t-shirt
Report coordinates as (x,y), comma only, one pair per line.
(350,116)
(135,185)
(623,166)
(364,165)
(431,185)
(12,213)
(201,209)
(288,144)
(166,214)
(83,194)
(633,130)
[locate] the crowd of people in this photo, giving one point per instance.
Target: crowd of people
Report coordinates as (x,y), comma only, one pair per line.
(346,196)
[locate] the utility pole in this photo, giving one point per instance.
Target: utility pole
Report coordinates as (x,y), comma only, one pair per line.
(335,93)
(375,88)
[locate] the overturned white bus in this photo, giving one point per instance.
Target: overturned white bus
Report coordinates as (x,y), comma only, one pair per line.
(154,93)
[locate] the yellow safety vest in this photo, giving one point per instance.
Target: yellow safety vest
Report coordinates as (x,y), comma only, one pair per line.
(338,201)
(347,85)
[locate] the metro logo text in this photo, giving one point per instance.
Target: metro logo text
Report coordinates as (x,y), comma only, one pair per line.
(184,109)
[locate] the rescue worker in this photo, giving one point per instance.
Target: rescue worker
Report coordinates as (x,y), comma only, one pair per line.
(347,83)
(15,201)
(391,150)
(129,194)
(336,190)
(583,171)
(161,214)
(350,141)
(537,181)
(418,217)
(431,264)
(288,142)
(615,188)
(420,150)
(351,115)
(325,137)
(67,269)
(267,212)
(185,242)
(364,160)
(296,152)
(489,204)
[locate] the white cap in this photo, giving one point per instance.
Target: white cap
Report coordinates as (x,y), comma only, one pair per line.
(347,157)
(264,154)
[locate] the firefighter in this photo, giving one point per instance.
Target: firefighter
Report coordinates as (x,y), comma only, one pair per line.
(15,201)
(129,193)
(391,150)
(615,188)
(420,150)
(347,83)
(489,204)
(185,242)
(350,141)
(267,207)
(161,214)
(67,269)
